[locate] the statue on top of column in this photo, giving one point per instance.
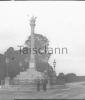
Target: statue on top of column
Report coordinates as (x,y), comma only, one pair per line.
(32,21)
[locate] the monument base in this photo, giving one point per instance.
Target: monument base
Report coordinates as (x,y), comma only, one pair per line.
(28,77)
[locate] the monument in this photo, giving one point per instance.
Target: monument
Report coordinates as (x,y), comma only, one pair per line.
(31,74)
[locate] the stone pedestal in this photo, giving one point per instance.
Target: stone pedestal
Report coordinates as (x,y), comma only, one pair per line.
(28,77)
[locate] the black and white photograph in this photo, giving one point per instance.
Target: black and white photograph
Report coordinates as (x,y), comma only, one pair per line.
(42,50)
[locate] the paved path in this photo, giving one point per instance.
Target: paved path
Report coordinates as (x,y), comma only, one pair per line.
(69,91)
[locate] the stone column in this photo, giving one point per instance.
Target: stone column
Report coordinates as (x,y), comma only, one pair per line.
(32,57)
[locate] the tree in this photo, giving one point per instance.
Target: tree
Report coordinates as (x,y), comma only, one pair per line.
(60,78)
(12,64)
(2,67)
(52,75)
(70,77)
(41,47)
(41,43)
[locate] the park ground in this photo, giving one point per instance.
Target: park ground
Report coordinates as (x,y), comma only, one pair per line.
(67,91)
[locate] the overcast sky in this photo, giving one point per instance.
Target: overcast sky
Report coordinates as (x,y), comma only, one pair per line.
(63,23)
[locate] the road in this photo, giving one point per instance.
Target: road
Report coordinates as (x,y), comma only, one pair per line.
(68,91)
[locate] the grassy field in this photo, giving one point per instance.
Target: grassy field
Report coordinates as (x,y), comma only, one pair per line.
(68,91)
